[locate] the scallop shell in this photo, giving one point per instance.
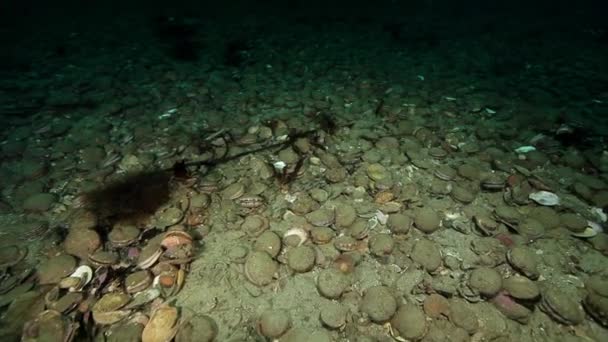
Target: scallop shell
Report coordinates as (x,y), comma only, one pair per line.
(85,274)
(545,198)
(143,297)
(587,233)
(175,238)
(299,232)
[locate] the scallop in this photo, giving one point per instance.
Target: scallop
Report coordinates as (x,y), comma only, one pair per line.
(274,323)
(409,323)
(301,259)
(379,304)
(85,274)
(260,269)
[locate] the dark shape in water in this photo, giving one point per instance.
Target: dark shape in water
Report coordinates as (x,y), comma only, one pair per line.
(60,51)
(180,171)
(394,30)
(186,50)
(401,34)
(379,107)
(326,123)
(179,38)
(573,134)
(134,197)
(603,37)
(236,53)
(137,196)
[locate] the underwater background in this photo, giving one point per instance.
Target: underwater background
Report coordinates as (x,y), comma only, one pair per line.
(303,170)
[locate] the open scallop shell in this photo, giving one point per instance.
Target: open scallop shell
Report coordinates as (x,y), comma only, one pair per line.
(587,233)
(143,297)
(300,233)
(84,273)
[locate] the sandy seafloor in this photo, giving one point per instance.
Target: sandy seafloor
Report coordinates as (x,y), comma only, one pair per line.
(403,181)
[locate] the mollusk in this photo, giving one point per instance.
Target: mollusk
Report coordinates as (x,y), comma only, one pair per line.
(299,232)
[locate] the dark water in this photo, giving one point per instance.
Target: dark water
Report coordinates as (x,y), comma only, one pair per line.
(496,43)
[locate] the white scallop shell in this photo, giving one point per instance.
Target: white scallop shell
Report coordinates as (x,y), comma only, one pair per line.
(587,233)
(595,226)
(85,273)
(279,165)
(545,198)
(299,232)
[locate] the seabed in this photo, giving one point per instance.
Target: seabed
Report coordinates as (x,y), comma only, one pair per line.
(322,176)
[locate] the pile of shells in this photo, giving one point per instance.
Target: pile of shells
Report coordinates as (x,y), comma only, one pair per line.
(596,300)
(113,277)
(32,230)
(377,224)
(398,225)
